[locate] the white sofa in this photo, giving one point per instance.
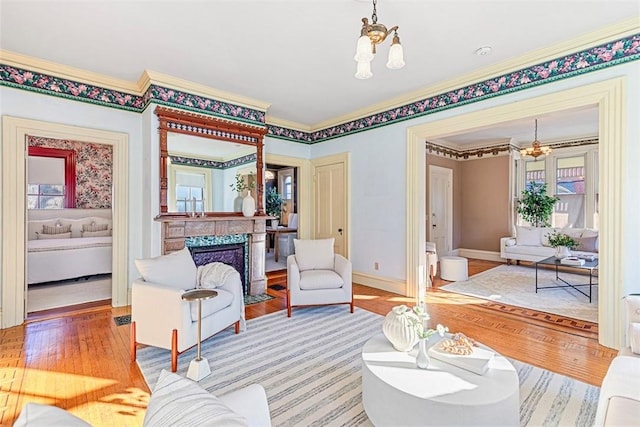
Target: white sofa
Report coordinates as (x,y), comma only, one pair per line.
(532,244)
(619,401)
(175,401)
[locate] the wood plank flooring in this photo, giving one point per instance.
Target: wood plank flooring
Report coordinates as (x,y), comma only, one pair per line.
(80,361)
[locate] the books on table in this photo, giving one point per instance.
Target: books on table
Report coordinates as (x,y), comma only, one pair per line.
(572,260)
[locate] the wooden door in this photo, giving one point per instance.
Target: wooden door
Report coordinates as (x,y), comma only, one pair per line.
(330,204)
(440,230)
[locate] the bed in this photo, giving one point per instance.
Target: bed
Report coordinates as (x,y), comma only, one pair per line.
(84,250)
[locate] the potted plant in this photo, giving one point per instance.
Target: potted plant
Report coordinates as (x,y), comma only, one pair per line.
(536,206)
(562,242)
(273,206)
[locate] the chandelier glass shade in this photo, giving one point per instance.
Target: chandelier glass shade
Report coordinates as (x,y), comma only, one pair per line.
(370,36)
(536,150)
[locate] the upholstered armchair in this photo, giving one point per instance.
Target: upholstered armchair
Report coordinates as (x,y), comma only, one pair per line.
(317,276)
(432,260)
(159,316)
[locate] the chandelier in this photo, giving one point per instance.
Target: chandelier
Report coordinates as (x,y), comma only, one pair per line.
(536,150)
(371,35)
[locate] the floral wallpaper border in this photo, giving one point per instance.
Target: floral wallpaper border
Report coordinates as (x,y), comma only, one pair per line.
(212,163)
(496,150)
(606,55)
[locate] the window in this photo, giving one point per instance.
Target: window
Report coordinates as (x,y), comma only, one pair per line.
(287,188)
(45,196)
(570,189)
(534,172)
(190,188)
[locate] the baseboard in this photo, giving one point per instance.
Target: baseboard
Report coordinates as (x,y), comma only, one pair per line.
(479,254)
(382,283)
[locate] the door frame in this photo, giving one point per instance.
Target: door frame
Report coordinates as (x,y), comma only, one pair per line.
(345,159)
(610,98)
(14,236)
(448,203)
(303,187)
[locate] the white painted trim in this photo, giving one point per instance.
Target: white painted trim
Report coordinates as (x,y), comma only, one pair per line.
(304,189)
(609,96)
(14,149)
(377,282)
(416,212)
(449,202)
(345,159)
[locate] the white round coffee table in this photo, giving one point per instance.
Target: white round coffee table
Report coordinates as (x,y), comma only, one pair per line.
(395,392)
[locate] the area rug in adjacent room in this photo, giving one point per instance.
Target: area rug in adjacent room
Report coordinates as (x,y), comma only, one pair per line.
(516,285)
(310,366)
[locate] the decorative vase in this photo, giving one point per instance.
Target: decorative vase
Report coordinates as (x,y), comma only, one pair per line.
(562,252)
(237,203)
(248,206)
(422,359)
(399,329)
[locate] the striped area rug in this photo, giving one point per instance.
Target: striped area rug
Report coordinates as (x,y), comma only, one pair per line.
(310,365)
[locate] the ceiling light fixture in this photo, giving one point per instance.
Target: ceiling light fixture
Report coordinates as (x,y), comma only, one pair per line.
(371,35)
(536,150)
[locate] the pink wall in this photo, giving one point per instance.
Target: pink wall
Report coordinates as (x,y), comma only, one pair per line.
(94,163)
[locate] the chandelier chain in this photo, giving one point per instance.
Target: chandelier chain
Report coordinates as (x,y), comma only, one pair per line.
(374,16)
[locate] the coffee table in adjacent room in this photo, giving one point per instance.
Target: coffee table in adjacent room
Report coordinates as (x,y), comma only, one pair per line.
(589,266)
(396,392)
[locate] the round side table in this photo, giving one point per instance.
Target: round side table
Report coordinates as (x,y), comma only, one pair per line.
(199,367)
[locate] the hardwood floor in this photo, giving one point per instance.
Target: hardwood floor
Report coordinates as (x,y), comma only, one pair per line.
(80,362)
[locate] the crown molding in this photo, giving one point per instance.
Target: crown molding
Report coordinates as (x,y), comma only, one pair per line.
(622,29)
(43,66)
(150,77)
(275,121)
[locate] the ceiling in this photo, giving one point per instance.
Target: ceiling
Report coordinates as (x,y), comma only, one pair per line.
(297,55)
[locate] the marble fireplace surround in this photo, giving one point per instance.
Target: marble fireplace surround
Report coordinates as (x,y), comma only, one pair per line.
(176,230)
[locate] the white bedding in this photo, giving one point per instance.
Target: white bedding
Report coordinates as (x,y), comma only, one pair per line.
(60,259)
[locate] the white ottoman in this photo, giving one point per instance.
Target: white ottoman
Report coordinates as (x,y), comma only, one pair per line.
(453,268)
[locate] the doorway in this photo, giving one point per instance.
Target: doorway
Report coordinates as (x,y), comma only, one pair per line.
(281,202)
(14,142)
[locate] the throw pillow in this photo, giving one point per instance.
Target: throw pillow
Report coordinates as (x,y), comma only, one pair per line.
(176,269)
(101,233)
(527,236)
(545,233)
(314,254)
(39,415)
(179,401)
(95,227)
(587,244)
(41,236)
(56,229)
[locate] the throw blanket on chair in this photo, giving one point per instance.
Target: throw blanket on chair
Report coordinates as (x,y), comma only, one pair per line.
(214,274)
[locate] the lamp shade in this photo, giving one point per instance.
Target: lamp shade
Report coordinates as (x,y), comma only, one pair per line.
(364,50)
(364,70)
(396,57)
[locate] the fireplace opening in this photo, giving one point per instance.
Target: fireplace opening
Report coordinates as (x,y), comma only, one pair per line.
(231,254)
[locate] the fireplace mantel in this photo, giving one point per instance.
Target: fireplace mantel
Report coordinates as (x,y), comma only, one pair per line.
(176,228)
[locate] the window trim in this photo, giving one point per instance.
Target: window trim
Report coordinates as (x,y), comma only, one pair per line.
(69,157)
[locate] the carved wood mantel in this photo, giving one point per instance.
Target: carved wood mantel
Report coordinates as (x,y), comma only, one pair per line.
(176,228)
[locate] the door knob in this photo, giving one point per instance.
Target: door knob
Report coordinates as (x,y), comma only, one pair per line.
(340,231)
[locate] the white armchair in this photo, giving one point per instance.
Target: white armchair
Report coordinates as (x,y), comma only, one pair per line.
(432,260)
(317,276)
(159,316)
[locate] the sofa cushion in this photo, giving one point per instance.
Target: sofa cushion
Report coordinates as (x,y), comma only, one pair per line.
(314,254)
(634,337)
(587,244)
(178,401)
(176,269)
(39,415)
(44,236)
(527,236)
(545,232)
(320,279)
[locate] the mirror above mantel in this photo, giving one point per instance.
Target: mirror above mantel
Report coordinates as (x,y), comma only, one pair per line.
(199,151)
